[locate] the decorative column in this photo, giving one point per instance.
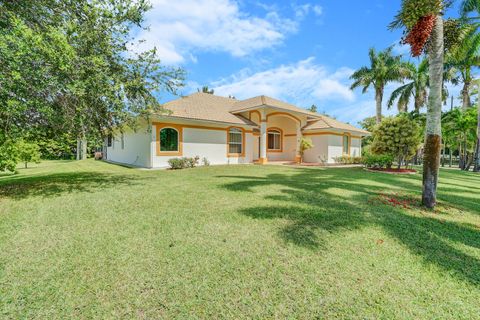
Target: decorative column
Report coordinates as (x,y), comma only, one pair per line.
(298,158)
(263,138)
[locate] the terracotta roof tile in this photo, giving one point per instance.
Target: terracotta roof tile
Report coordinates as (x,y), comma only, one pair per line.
(244,105)
(328,123)
(205,106)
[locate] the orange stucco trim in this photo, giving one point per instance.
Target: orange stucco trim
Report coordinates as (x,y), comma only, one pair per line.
(179,129)
(256,112)
(281,139)
(232,155)
(330,133)
(262,160)
(285,114)
(191,126)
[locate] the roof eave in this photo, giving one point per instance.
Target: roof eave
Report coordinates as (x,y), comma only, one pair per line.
(210,121)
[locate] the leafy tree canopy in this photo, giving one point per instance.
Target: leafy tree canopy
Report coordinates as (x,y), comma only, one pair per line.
(398,136)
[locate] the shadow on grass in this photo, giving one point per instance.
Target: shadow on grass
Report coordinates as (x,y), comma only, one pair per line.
(52,185)
(310,209)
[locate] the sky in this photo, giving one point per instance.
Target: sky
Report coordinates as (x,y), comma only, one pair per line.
(302,52)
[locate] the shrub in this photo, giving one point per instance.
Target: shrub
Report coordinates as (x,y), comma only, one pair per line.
(305,144)
(398,136)
(205,162)
(8,156)
(28,152)
(378,161)
(192,162)
(182,163)
(176,163)
(348,160)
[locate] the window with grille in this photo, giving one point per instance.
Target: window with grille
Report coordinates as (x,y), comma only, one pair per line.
(274,140)
(235,141)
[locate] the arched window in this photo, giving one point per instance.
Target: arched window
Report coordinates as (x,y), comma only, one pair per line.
(235,141)
(274,140)
(169,139)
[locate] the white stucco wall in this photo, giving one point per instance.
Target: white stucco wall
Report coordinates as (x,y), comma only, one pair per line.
(335,147)
(356,147)
(205,143)
(319,150)
(136,148)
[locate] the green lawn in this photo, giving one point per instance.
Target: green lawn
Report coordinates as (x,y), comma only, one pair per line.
(93,240)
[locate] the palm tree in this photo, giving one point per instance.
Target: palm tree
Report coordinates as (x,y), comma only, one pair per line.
(416,89)
(384,68)
(416,17)
(461,59)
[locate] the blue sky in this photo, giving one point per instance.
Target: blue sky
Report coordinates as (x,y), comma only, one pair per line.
(302,52)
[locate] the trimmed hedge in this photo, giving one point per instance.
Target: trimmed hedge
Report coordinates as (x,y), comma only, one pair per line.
(378,161)
(348,160)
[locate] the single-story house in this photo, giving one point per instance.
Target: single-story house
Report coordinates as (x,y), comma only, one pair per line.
(229,131)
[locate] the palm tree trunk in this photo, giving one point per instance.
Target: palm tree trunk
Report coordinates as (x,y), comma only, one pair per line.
(476,167)
(466,102)
(433,134)
(378,100)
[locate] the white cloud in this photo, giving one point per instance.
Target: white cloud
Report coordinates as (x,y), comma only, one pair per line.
(302,83)
(304,9)
(180,28)
(318,10)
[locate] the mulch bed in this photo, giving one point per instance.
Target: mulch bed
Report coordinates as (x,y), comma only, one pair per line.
(392,170)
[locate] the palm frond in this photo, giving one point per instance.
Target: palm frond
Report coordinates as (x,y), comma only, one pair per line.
(396,94)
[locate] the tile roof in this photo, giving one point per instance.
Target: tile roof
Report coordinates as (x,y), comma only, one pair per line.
(205,106)
(328,123)
(260,101)
(208,107)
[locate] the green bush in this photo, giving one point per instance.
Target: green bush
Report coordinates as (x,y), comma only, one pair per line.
(398,136)
(28,152)
(348,160)
(378,161)
(182,163)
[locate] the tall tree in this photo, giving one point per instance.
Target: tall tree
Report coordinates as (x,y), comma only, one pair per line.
(69,67)
(384,68)
(206,89)
(416,89)
(476,167)
(313,108)
(462,58)
(423,21)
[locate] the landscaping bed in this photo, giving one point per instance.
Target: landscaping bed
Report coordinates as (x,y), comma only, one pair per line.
(392,170)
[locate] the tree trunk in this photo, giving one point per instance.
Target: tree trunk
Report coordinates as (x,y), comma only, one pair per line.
(84,148)
(26,163)
(433,134)
(476,167)
(79,145)
(468,161)
(443,156)
(378,100)
(466,102)
(451,157)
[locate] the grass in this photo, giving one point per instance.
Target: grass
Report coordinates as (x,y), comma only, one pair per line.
(93,240)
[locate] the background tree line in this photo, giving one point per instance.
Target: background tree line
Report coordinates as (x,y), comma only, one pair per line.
(449,52)
(68,75)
